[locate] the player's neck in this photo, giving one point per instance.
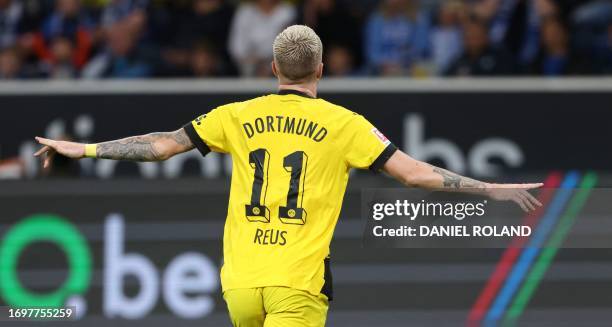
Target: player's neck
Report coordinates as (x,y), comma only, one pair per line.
(310,89)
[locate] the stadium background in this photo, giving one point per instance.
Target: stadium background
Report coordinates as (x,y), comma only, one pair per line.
(152,232)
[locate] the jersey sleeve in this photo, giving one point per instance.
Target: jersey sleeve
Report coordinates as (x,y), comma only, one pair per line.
(206,132)
(367,147)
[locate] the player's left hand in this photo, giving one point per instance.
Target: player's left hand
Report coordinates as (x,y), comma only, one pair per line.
(515,192)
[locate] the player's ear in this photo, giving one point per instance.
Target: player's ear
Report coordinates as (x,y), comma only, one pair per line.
(320,71)
(274,71)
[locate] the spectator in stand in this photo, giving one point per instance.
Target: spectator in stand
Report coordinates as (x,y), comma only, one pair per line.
(601,54)
(339,61)
(11,22)
(397,36)
(206,24)
(206,61)
(253,30)
(515,24)
(605,63)
(336,24)
(592,35)
(446,35)
(201,38)
(363,7)
(479,57)
(132,11)
(555,57)
(62,66)
(10,64)
(121,58)
(67,31)
(209,19)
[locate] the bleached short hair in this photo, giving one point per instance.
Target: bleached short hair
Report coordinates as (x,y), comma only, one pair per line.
(298,51)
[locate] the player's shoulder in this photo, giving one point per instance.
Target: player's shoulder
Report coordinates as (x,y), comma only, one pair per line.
(338,112)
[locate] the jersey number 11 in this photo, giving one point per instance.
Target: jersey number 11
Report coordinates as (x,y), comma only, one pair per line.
(292,213)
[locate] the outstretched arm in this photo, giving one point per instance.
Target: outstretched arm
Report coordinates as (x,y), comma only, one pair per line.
(416,173)
(150,147)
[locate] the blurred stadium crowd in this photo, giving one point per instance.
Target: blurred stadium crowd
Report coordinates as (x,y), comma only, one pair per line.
(204,38)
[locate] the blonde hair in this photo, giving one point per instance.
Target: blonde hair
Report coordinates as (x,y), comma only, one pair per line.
(298,51)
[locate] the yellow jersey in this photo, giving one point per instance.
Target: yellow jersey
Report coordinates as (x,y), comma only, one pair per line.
(291,156)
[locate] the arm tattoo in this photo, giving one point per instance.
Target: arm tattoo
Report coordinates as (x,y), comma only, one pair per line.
(181,138)
(136,148)
(143,148)
(452,180)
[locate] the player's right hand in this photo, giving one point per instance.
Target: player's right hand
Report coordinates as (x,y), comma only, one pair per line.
(51,147)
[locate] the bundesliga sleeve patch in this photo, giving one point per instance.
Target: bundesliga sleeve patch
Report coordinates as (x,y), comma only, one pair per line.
(381,136)
(199,119)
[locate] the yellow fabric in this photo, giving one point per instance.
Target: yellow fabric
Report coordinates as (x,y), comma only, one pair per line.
(90,150)
(278,230)
(275,307)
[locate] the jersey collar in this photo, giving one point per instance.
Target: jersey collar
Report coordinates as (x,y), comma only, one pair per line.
(296,92)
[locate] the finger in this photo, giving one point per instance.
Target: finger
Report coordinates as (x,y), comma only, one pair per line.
(42,150)
(45,141)
(533,199)
(526,201)
(527,186)
(531,186)
(520,203)
(47,162)
(48,159)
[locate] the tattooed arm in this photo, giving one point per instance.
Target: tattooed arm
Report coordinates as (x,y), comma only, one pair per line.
(416,173)
(150,147)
